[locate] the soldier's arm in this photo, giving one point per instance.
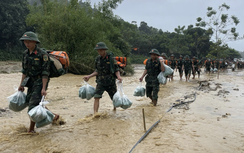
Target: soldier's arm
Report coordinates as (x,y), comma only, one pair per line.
(45,73)
(21,88)
(143,75)
(162,67)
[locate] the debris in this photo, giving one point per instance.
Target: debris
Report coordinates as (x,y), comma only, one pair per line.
(236,89)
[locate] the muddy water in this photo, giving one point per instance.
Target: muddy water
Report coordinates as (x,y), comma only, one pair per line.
(213,123)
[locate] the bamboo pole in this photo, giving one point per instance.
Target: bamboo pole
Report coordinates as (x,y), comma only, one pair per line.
(144,123)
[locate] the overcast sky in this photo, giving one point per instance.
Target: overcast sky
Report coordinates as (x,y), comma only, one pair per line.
(168,14)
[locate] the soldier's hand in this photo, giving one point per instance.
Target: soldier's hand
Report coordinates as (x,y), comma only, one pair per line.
(21,88)
(140,79)
(86,78)
(120,79)
(43,92)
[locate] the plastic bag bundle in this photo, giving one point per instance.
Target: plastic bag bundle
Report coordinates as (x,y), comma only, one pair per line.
(215,70)
(17,101)
(139,91)
(168,70)
(161,78)
(86,91)
(126,103)
(120,99)
(47,120)
(39,112)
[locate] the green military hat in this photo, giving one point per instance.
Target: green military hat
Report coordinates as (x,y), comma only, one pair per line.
(163,54)
(101,45)
(186,57)
(30,36)
(194,57)
(181,56)
(154,51)
(173,55)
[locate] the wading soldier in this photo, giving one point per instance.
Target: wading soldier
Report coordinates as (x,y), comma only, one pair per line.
(187,66)
(195,67)
(35,73)
(179,66)
(106,71)
(172,64)
(207,66)
(152,70)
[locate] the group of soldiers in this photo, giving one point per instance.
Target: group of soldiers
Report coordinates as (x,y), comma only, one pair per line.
(36,72)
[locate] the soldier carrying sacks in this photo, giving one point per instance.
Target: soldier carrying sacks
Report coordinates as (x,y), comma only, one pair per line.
(35,73)
(152,70)
(106,71)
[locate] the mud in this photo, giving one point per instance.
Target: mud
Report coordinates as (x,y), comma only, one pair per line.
(212,123)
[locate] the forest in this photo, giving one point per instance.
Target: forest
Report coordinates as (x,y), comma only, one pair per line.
(75,27)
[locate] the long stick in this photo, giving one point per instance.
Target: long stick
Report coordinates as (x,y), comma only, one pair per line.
(144,123)
(144,135)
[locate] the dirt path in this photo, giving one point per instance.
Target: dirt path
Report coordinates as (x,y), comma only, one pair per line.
(214,122)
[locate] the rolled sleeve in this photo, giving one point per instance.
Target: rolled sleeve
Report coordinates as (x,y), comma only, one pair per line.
(23,63)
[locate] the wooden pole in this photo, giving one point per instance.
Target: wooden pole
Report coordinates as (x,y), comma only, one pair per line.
(144,123)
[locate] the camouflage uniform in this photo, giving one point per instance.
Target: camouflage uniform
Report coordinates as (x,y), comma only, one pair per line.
(34,66)
(195,64)
(152,84)
(187,66)
(179,65)
(172,62)
(208,65)
(105,78)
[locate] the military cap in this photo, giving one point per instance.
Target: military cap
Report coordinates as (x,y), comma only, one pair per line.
(173,55)
(101,45)
(186,57)
(30,36)
(181,56)
(154,51)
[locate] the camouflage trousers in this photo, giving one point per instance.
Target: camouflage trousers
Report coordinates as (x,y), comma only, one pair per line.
(33,96)
(111,90)
(152,90)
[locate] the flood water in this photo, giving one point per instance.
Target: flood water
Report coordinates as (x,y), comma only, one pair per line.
(214,122)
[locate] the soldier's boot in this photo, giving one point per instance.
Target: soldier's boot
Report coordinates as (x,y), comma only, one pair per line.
(154,102)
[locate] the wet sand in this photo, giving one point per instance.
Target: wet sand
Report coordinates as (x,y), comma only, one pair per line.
(213,123)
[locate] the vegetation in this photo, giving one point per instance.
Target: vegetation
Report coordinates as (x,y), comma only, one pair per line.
(75,27)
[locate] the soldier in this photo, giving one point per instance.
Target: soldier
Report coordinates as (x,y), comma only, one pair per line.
(187,66)
(152,69)
(208,66)
(172,64)
(195,67)
(35,73)
(106,71)
(165,58)
(179,66)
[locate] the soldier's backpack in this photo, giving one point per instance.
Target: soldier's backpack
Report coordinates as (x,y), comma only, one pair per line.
(59,63)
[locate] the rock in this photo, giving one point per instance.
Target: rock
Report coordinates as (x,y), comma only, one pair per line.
(236,89)
(218,118)
(224,116)
(224,137)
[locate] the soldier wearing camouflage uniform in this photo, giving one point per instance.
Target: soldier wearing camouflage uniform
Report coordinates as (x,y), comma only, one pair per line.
(35,72)
(195,67)
(106,71)
(187,65)
(179,66)
(172,64)
(152,69)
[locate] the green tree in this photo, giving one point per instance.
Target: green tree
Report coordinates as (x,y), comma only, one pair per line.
(12,18)
(220,25)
